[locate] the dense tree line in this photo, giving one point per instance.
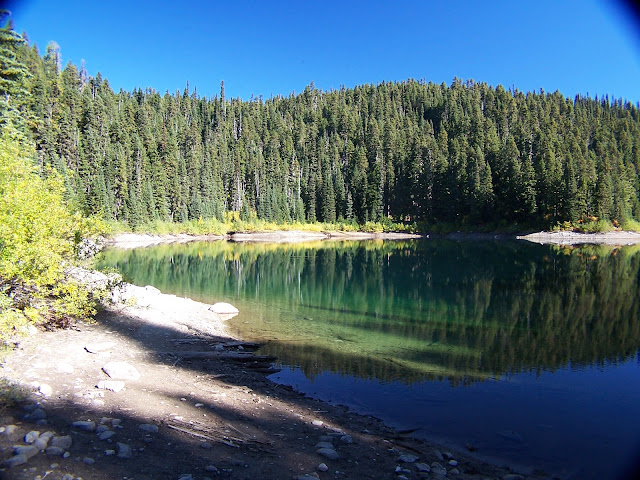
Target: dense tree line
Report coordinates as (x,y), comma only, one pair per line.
(465,154)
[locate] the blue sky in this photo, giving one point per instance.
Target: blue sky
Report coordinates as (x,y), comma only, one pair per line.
(278,47)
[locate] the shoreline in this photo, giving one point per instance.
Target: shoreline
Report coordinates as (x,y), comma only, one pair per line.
(141,240)
(153,332)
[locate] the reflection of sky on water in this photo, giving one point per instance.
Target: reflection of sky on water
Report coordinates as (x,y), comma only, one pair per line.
(576,423)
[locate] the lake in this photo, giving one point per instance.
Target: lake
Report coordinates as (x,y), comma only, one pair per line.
(526,353)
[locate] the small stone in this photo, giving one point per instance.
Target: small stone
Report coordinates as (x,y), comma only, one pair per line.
(447,455)
(453,463)
(223,308)
(116,422)
(198,405)
(67,476)
(438,455)
(101,428)
(346,439)
(211,469)
(438,469)
(324,445)
(148,427)
(10,431)
(109,453)
(45,389)
(86,425)
(54,451)
(43,440)
(408,458)
(322,467)
(124,450)
(31,437)
(206,445)
(454,471)
(37,414)
(111,385)
(66,455)
(106,435)
(186,476)
(63,442)
(317,423)
(15,461)
(27,450)
(423,467)
(329,453)
(88,460)
(121,370)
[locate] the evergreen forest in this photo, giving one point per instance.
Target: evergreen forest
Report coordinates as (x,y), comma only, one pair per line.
(466,154)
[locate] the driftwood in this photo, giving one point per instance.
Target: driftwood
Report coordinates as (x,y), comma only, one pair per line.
(215,433)
(235,356)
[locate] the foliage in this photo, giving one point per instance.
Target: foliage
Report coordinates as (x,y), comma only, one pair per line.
(11,393)
(38,234)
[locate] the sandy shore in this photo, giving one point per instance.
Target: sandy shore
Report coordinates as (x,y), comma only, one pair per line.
(138,240)
(198,406)
(574,238)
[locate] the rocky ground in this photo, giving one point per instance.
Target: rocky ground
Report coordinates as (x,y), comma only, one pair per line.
(574,238)
(156,389)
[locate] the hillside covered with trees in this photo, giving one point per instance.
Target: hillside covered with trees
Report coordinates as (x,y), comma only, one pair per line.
(466,154)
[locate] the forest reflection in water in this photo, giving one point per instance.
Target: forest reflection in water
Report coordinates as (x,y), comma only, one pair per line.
(412,310)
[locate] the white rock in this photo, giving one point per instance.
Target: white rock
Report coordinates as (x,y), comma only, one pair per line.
(317,423)
(45,389)
(111,385)
(63,442)
(121,370)
(31,436)
(27,450)
(15,461)
(223,308)
(322,467)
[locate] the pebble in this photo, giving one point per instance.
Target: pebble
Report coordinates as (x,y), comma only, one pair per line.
(37,414)
(101,428)
(67,476)
(317,423)
(106,435)
(121,371)
(330,453)
(438,469)
(43,440)
(186,476)
(124,450)
(31,437)
(438,455)
(453,463)
(423,467)
(88,460)
(211,469)
(87,426)
(45,389)
(325,445)
(206,445)
(15,461)
(109,453)
(54,451)
(10,431)
(27,450)
(322,467)
(447,455)
(454,471)
(66,455)
(148,427)
(63,442)
(408,458)
(346,439)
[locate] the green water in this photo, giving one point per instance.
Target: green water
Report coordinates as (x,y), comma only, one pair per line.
(368,323)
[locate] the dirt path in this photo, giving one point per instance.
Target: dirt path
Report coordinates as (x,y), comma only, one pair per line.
(181,416)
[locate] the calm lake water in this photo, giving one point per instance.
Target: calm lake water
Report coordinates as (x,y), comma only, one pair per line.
(528,353)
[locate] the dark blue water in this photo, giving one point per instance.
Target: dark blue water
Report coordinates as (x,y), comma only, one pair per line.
(527,353)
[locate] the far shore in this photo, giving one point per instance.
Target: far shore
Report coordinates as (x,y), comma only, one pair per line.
(138,240)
